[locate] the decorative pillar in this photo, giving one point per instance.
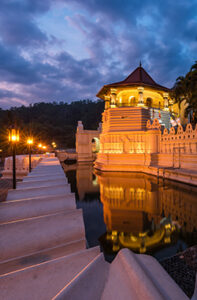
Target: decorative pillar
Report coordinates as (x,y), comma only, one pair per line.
(113,98)
(165,97)
(107,102)
(140,96)
(79,126)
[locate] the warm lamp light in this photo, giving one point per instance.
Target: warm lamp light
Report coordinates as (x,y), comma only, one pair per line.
(44,147)
(30,141)
(39,145)
(13,136)
(54,144)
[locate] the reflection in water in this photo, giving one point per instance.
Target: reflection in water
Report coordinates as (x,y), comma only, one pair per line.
(145,240)
(140,211)
(143,213)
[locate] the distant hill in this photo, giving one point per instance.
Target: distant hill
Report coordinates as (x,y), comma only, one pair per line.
(49,122)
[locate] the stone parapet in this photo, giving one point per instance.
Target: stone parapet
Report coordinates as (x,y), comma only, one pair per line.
(129,276)
(22,165)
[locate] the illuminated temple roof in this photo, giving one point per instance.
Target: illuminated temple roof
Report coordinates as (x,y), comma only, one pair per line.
(139,77)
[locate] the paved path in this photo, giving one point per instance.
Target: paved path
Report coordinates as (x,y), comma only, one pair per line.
(42,235)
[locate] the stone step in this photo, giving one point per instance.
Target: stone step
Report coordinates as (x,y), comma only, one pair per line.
(41,183)
(45,280)
(28,208)
(47,168)
(89,283)
(25,237)
(41,168)
(31,177)
(45,172)
(21,194)
(42,256)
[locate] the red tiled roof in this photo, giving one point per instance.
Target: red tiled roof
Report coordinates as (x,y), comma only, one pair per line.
(138,77)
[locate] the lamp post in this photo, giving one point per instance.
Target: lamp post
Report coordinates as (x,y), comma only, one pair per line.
(30,143)
(13,139)
(54,145)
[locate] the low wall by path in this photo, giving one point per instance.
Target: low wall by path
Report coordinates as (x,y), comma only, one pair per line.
(129,276)
(22,164)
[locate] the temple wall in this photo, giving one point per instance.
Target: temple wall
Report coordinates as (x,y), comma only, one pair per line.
(151,151)
(179,149)
(84,143)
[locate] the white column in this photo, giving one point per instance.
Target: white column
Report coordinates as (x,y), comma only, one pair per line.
(140,96)
(107,102)
(165,97)
(113,98)
(80,126)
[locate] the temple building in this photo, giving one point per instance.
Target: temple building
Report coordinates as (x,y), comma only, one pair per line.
(139,90)
(136,130)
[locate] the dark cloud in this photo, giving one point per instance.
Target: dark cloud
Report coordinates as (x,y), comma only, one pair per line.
(17,22)
(117,34)
(14,68)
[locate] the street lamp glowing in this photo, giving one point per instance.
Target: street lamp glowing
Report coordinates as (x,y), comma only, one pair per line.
(30,141)
(39,145)
(13,136)
(44,147)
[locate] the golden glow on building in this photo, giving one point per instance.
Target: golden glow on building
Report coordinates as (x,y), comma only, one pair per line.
(134,206)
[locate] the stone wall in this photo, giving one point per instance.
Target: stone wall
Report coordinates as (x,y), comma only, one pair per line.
(84,147)
(178,148)
(154,150)
(22,165)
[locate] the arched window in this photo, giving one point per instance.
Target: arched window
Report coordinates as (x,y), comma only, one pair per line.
(132,101)
(149,102)
(95,145)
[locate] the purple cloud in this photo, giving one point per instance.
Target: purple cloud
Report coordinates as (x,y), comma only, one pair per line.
(40,59)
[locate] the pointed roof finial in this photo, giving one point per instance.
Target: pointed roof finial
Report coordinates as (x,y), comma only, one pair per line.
(140,64)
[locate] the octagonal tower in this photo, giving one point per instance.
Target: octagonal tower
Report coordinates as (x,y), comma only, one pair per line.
(125,141)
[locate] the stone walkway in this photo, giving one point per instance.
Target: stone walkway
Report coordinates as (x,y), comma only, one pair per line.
(42,236)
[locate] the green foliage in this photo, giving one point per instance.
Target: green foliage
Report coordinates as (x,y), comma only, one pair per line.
(51,121)
(185,88)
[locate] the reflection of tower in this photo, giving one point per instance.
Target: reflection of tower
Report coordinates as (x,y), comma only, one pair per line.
(127,199)
(179,201)
(86,181)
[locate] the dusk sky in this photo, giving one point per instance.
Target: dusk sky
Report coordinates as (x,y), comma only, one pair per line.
(66,50)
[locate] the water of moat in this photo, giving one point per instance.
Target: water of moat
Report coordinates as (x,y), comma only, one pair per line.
(134,210)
